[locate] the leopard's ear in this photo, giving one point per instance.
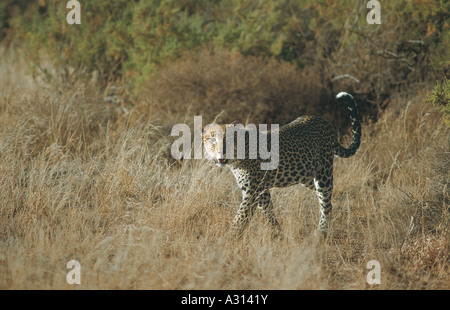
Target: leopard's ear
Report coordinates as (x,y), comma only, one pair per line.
(204,130)
(224,128)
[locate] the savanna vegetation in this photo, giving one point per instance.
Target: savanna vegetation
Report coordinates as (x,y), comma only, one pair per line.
(86,113)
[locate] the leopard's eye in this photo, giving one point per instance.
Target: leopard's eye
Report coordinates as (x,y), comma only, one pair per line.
(212,134)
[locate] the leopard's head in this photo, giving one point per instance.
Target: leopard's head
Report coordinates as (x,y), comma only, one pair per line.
(214,142)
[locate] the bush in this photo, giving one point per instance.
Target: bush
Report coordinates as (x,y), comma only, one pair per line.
(230,87)
(440,97)
(127,41)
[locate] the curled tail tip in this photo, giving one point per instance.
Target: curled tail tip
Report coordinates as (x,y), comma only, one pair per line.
(356,127)
(344,96)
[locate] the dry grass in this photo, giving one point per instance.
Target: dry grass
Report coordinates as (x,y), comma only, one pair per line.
(81,180)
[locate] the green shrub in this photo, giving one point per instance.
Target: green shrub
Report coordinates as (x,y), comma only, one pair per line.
(440,97)
(128,41)
(96,45)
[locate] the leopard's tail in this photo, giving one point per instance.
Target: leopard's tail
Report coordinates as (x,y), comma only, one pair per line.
(356,127)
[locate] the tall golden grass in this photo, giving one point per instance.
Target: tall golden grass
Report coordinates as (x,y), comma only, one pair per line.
(82,179)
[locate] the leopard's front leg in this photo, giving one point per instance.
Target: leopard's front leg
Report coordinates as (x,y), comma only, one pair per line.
(243,215)
(265,205)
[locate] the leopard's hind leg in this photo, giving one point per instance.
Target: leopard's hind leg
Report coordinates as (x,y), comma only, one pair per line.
(324,190)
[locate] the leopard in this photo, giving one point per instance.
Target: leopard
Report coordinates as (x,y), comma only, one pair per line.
(306,150)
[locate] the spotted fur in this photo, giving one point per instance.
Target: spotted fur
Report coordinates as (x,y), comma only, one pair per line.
(307,147)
